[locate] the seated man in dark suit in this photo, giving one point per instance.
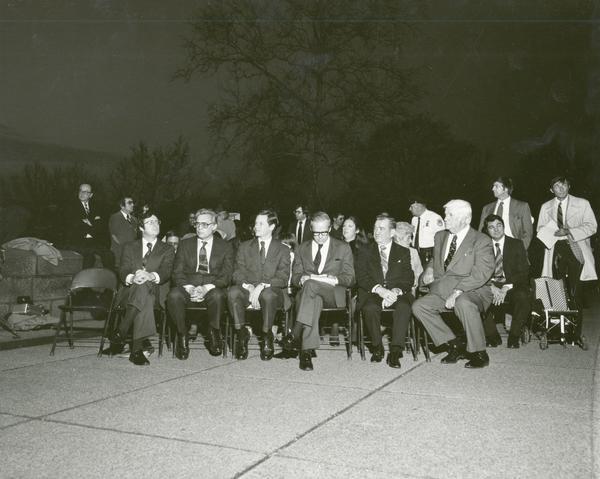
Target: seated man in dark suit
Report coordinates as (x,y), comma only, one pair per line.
(510,283)
(145,264)
(458,279)
(323,268)
(202,273)
(385,279)
(260,275)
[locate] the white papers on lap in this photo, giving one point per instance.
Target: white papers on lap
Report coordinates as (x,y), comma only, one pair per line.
(323,278)
(546,234)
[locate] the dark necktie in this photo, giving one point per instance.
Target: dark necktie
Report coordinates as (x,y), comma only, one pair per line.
(500,209)
(263,255)
(499,267)
(384,259)
(317,260)
(417,233)
(451,252)
(86,207)
(299,233)
(202,259)
(129,219)
(559,215)
(147,255)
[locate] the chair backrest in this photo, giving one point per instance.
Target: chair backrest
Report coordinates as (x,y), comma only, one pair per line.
(94,278)
(552,293)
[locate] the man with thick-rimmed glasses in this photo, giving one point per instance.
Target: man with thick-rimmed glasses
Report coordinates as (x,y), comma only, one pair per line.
(323,269)
(202,273)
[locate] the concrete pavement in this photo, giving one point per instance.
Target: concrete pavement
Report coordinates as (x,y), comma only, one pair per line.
(532,413)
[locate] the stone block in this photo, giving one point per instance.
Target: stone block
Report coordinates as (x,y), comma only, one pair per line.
(18,263)
(10,288)
(4,308)
(50,287)
(69,265)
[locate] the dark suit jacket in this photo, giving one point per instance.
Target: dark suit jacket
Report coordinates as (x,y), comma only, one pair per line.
(160,261)
(339,263)
(220,264)
(75,227)
(369,272)
(306,232)
(471,267)
(121,232)
(519,218)
(514,262)
(275,271)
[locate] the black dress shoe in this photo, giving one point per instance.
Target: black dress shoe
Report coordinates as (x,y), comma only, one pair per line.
(283,354)
(243,336)
(117,344)
(454,354)
(393,359)
(182,348)
(493,341)
(479,359)
(513,342)
(267,347)
(305,361)
(289,343)
(215,347)
(378,354)
(139,358)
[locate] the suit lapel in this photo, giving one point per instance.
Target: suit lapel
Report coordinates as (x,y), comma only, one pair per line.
(464,246)
(213,255)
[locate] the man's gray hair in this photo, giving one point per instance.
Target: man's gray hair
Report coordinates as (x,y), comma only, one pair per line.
(460,208)
(320,216)
(206,211)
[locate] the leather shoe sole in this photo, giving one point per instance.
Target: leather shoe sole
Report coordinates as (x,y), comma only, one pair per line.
(139,359)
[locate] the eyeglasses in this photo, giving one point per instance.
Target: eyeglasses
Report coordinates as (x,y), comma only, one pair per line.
(86,192)
(203,225)
(152,222)
(298,211)
(129,202)
(320,233)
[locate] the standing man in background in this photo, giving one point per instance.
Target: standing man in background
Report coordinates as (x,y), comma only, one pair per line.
(426,224)
(122,226)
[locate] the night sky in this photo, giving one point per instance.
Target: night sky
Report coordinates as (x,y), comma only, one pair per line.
(98,75)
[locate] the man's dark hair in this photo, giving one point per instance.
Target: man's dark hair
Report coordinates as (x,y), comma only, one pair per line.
(386,216)
(145,216)
(417,199)
(304,208)
(559,179)
(490,219)
(123,199)
(507,182)
(272,217)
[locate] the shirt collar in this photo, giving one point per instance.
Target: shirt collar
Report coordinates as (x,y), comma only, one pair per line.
(504,201)
(461,234)
(500,242)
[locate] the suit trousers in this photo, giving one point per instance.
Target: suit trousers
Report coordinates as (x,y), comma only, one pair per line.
(139,312)
(564,263)
(238,299)
(468,309)
(178,299)
(311,299)
(518,302)
(400,317)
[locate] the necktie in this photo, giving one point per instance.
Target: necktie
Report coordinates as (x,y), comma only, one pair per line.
(147,255)
(416,244)
(500,209)
(317,260)
(299,232)
(451,252)
(499,267)
(559,216)
(86,207)
(202,259)
(129,219)
(384,259)
(263,255)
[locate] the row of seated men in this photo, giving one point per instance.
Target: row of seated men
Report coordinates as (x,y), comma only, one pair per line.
(468,271)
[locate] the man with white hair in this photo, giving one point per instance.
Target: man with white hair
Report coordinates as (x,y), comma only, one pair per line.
(458,279)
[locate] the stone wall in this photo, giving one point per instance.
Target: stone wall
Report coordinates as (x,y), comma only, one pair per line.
(26,274)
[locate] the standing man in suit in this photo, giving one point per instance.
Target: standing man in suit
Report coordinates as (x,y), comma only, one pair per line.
(145,265)
(385,279)
(84,227)
(301,227)
(426,224)
(458,279)
(515,214)
(510,283)
(202,273)
(261,273)
(122,226)
(573,222)
(323,268)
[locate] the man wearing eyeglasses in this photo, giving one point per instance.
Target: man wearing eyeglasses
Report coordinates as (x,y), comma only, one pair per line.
(201,274)
(323,268)
(83,225)
(122,226)
(301,227)
(145,264)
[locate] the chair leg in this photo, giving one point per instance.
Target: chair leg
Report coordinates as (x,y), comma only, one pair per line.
(361,336)
(413,338)
(62,322)
(107,327)
(161,332)
(70,330)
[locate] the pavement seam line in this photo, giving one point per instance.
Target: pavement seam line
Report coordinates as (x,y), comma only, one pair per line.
(324,421)
(45,363)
